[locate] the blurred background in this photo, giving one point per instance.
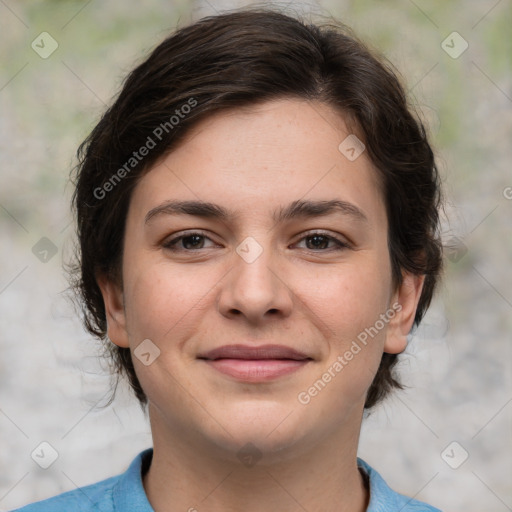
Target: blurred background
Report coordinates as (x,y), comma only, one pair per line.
(447,439)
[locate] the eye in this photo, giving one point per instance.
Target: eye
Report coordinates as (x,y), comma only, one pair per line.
(188,242)
(323,242)
(196,240)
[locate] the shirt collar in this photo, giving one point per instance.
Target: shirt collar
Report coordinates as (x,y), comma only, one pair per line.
(129,491)
(129,494)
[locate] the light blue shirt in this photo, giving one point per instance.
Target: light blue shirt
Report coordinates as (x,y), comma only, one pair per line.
(125,493)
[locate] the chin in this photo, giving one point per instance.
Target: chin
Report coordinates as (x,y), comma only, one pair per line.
(266,430)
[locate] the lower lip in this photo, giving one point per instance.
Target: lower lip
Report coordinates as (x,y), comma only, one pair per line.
(257,370)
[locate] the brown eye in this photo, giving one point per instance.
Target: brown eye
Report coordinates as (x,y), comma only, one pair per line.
(323,242)
(188,242)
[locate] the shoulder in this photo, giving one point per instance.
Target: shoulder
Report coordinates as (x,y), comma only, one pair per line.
(118,493)
(97,497)
(383,498)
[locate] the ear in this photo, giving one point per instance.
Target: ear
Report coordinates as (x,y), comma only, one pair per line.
(404,303)
(114,309)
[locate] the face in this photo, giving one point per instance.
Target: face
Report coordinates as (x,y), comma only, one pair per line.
(256,264)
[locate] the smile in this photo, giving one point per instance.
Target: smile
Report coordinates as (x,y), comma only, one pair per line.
(255,364)
(256,370)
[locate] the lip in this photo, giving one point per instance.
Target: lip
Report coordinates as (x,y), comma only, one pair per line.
(254,352)
(255,363)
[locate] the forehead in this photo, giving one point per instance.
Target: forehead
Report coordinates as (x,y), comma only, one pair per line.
(270,154)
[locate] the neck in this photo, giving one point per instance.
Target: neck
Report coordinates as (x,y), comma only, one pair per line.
(186,475)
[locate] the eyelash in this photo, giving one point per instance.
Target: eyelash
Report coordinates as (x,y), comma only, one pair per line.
(340,245)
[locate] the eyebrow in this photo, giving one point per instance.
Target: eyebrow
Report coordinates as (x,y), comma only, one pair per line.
(296,209)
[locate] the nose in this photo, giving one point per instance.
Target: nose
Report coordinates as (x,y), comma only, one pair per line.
(255,289)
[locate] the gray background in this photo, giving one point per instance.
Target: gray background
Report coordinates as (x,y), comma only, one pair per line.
(459,363)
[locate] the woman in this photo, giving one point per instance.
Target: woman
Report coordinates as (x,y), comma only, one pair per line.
(258,226)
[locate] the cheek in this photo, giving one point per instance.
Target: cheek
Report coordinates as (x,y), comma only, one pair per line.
(164,306)
(347,298)
(164,302)
(348,301)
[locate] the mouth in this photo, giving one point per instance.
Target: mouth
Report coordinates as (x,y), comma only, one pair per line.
(255,364)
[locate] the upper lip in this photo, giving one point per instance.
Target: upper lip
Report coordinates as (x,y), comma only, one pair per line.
(254,352)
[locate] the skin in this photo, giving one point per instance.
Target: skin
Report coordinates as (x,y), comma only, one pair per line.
(315,298)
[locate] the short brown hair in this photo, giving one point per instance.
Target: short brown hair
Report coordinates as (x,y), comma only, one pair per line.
(238,59)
